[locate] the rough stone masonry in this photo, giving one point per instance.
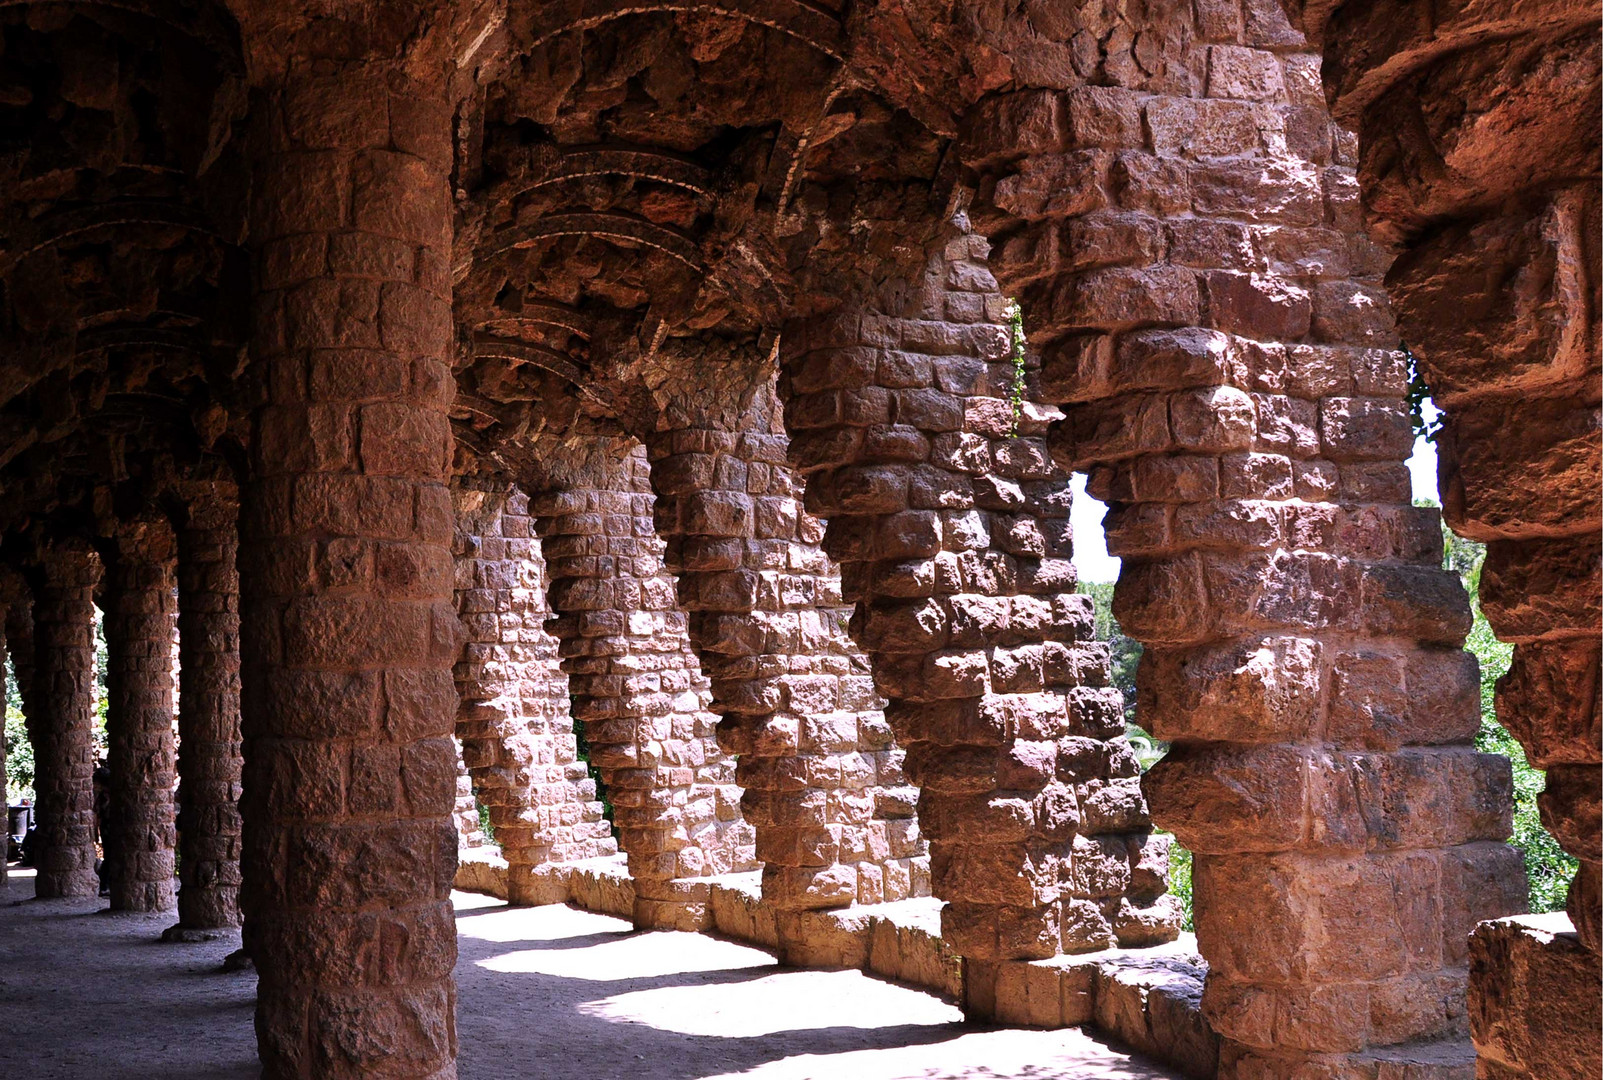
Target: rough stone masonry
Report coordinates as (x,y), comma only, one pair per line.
(632,393)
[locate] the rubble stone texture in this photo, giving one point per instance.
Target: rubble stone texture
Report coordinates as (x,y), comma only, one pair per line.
(1182,232)
(362,252)
(820,770)
(950,522)
(514,724)
(638,693)
(346,578)
(1533,1000)
(139,833)
(60,726)
(1479,159)
(209,757)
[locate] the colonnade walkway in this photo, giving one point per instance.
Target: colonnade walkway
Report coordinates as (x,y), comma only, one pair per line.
(549,992)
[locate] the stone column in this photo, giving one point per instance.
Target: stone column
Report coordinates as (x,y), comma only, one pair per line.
(820,773)
(515,723)
(950,522)
(637,688)
(209,759)
(348,627)
(140,834)
(61,726)
(1186,242)
(1478,157)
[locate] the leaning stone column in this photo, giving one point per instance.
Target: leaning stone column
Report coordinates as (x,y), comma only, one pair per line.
(349,632)
(60,728)
(637,688)
(1478,156)
(140,835)
(208,713)
(950,522)
(821,778)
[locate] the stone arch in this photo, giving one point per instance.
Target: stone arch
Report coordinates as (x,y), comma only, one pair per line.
(514,724)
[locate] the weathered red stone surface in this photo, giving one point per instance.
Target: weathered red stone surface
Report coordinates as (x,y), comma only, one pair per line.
(1534,1000)
(362,254)
(821,772)
(346,575)
(139,832)
(1479,158)
(209,758)
(638,691)
(1182,228)
(950,521)
(59,725)
(515,723)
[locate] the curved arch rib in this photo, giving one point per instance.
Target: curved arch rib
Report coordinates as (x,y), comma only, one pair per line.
(521,352)
(808,23)
(545,313)
(52,229)
(608,226)
(547,165)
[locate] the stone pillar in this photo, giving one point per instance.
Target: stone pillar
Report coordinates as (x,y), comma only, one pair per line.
(61,726)
(515,722)
(820,773)
(348,629)
(638,690)
(209,760)
(950,523)
(1185,240)
(140,835)
(1478,157)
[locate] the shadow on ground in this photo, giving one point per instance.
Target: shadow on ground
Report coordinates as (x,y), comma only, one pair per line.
(553,993)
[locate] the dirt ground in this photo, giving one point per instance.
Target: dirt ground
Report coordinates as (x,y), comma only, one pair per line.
(549,993)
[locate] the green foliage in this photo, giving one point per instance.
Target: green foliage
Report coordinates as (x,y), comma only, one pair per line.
(19,748)
(1126,651)
(1547,865)
(484,820)
(19,759)
(1180,881)
(1015,392)
(1126,656)
(102,699)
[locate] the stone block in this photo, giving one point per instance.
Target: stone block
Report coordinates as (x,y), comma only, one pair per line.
(1533,1000)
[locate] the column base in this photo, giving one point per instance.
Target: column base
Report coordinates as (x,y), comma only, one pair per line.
(680,904)
(64,886)
(1446,1059)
